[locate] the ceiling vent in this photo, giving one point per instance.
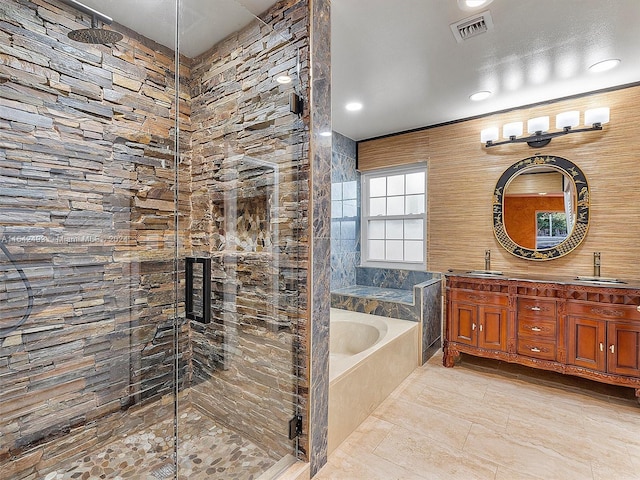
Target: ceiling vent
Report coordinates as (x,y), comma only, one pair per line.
(472,26)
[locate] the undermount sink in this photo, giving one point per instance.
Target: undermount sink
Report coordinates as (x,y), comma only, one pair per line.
(601,280)
(485,273)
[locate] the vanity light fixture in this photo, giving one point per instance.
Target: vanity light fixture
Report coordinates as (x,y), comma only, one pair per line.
(538,128)
(283,79)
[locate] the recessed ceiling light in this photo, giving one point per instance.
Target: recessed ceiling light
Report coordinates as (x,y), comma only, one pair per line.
(284,79)
(325,134)
(476,97)
(472,4)
(353,106)
(604,65)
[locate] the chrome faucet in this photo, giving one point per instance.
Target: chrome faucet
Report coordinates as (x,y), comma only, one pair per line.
(596,264)
(487,259)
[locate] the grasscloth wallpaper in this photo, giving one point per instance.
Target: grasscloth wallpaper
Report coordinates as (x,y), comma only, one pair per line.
(462,174)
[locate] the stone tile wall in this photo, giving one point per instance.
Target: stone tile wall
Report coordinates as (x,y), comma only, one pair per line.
(87,166)
(249,194)
(345,212)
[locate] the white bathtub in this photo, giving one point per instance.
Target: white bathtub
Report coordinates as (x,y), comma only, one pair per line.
(369,357)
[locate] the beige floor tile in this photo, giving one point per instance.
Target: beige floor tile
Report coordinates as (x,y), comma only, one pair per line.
(606,471)
(365,466)
(455,380)
(464,407)
(430,459)
(410,386)
(521,453)
(616,427)
(439,426)
(634,456)
(505,473)
(573,443)
(367,436)
(472,422)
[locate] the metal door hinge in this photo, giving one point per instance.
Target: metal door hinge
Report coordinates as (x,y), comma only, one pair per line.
(295,427)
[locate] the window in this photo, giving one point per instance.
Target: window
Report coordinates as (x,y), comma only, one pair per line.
(394,217)
(551,229)
(344,214)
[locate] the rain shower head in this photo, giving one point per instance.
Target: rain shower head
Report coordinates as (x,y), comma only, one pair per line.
(93,35)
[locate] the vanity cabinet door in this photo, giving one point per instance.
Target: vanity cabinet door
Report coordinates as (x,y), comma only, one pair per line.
(587,343)
(623,348)
(483,326)
(492,327)
(464,326)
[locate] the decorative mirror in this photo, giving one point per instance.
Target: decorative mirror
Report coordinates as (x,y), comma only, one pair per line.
(541,208)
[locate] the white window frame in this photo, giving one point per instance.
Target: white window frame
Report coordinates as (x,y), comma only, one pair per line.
(364,224)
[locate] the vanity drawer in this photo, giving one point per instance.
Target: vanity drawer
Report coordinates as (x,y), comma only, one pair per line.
(544,350)
(536,308)
(604,310)
(484,298)
(541,328)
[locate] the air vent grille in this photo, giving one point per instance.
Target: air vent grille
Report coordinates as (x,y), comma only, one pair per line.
(472,26)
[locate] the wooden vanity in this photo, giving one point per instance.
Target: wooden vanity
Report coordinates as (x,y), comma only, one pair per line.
(570,327)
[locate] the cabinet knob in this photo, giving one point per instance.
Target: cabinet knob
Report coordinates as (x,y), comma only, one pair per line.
(473,326)
(535,349)
(612,348)
(601,347)
(535,309)
(638,308)
(536,329)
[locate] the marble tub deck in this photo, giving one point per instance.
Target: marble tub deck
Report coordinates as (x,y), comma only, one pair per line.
(386,294)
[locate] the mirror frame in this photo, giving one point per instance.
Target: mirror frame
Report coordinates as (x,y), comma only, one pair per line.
(579,232)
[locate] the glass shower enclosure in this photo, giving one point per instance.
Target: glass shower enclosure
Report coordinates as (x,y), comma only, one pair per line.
(150,254)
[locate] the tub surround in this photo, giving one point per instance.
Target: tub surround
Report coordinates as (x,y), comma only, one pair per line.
(361,381)
(384,291)
(403,294)
(574,327)
(368,292)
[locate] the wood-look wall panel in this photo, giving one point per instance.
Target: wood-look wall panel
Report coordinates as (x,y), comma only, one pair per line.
(391,151)
(463,173)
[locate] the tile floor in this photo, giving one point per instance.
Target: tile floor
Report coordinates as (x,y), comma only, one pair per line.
(206,452)
(489,420)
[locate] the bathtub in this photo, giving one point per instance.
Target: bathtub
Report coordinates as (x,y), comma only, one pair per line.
(369,357)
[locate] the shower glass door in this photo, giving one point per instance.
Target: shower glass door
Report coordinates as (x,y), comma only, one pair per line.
(241,236)
(122,169)
(88,243)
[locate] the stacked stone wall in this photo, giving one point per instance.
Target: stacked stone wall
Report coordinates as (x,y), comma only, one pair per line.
(249,188)
(86,200)
(87,147)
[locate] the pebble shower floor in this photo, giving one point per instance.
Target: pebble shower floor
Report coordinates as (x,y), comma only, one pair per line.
(206,451)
